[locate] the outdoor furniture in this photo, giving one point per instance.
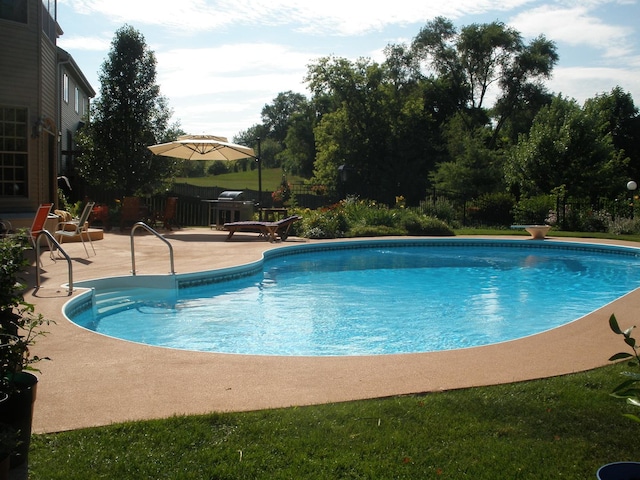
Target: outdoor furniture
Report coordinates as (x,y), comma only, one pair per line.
(270,230)
(5,228)
(100,214)
(78,227)
(168,216)
(272,214)
(132,211)
(37,226)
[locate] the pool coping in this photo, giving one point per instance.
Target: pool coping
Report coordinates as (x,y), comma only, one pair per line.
(93,380)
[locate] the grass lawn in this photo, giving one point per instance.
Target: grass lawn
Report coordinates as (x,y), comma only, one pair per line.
(562,427)
(271,178)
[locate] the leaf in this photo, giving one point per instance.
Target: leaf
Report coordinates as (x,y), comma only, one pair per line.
(613,324)
(632,417)
(620,356)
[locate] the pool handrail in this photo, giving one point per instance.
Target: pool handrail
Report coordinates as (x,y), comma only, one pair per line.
(150,230)
(54,242)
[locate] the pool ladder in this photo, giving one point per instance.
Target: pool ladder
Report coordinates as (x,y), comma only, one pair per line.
(52,243)
(150,230)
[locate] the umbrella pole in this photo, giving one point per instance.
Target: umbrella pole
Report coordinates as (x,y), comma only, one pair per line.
(259,181)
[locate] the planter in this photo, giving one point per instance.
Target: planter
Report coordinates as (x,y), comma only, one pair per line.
(17,412)
(619,471)
(5,464)
(7,443)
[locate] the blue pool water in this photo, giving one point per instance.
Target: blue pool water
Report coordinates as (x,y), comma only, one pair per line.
(384,299)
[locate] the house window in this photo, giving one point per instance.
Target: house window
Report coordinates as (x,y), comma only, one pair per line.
(77,100)
(14,10)
(13,152)
(65,88)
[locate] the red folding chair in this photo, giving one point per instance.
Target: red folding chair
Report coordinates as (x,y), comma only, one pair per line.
(38,225)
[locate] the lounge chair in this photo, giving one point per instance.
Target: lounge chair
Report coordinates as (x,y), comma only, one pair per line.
(37,226)
(270,230)
(133,211)
(168,216)
(75,228)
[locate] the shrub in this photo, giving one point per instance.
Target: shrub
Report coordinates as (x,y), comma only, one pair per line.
(586,220)
(440,208)
(423,225)
(363,218)
(324,223)
(375,231)
(534,210)
(624,226)
(493,209)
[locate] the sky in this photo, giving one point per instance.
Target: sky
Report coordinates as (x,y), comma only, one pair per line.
(219,62)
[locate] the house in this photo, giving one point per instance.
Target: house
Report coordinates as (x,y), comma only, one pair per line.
(43,98)
(74,111)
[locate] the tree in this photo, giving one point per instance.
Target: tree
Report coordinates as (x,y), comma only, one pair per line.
(567,148)
(300,146)
(482,60)
(359,120)
(277,116)
(622,122)
(129,115)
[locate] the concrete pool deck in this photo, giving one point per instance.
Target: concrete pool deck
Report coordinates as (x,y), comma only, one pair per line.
(93,380)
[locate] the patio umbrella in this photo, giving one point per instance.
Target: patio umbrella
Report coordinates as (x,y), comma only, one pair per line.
(202,147)
(208,147)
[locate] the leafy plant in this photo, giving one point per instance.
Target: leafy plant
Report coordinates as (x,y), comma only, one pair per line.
(18,321)
(630,388)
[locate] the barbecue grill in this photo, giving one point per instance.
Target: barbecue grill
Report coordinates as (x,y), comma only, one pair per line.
(229,207)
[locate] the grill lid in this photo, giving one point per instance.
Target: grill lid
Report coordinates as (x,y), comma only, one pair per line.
(231,195)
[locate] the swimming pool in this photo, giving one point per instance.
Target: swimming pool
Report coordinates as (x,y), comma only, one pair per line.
(366,297)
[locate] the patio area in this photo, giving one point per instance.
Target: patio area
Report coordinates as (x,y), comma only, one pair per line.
(94,380)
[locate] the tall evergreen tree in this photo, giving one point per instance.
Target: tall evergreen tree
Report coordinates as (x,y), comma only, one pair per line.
(129,115)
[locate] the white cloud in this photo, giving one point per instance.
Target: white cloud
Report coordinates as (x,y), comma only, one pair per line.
(337,17)
(231,68)
(582,83)
(575,26)
(77,43)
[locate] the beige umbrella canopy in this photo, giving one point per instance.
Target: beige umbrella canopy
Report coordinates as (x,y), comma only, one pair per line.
(202,147)
(209,147)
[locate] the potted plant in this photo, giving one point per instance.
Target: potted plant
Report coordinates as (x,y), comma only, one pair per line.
(629,389)
(20,327)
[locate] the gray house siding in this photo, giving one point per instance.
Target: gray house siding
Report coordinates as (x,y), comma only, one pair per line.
(30,107)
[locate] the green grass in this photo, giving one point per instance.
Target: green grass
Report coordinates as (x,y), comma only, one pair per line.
(552,233)
(563,427)
(271,178)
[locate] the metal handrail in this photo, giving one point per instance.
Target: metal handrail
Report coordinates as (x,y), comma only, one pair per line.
(52,239)
(151,230)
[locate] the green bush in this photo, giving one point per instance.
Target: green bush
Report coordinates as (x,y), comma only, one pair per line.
(585,219)
(624,226)
(534,210)
(422,225)
(323,223)
(492,209)
(363,218)
(375,231)
(439,208)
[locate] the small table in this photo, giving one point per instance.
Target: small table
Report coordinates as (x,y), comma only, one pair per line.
(273,214)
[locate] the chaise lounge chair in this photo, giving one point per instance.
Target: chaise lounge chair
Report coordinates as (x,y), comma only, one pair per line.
(271,230)
(77,228)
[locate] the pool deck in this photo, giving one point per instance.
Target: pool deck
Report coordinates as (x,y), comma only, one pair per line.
(93,380)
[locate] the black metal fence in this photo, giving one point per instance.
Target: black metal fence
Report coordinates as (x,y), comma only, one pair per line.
(193,210)
(455,208)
